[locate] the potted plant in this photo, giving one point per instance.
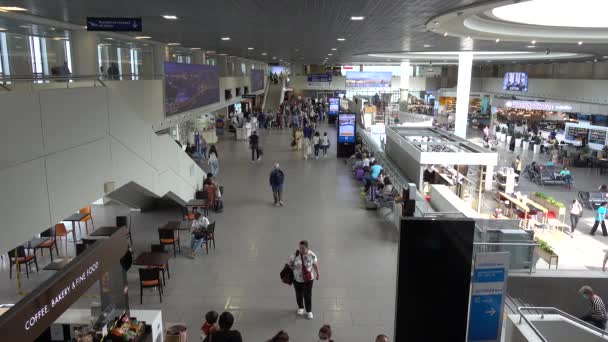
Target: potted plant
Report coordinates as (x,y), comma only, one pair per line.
(537,142)
(518,139)
(507,135)
(498,133)
(547,253)
(549,202)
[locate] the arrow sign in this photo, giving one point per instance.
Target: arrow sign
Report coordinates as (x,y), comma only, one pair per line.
(491,312)
(114,24)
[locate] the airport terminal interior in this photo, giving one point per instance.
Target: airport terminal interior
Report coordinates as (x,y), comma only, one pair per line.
(303,171)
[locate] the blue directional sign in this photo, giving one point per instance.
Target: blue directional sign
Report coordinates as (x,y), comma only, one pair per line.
(114,24)
(487,296)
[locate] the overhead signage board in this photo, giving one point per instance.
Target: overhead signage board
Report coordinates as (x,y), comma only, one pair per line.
(488,296)
(249,96)
(319,78)
(114,24)
(535,105)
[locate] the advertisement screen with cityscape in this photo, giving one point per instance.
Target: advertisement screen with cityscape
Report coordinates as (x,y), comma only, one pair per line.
(346,128)
(257,80)
(515,81)
(334,106)
(363,79)
(190,86)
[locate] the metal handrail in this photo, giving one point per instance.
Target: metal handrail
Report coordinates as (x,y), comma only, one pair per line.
(559,312)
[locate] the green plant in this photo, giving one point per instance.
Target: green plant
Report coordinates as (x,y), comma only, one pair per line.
(549,199)
(585,150)
(545,246)
(537,140)
(503,130)
(518,135)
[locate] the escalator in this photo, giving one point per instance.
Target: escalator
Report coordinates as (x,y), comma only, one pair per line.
(274,95)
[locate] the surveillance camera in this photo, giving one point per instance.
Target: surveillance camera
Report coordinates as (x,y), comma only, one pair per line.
(548,51)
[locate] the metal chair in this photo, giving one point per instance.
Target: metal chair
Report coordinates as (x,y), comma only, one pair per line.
(210,236)
(18,255)
(48,244)
(167,237)
(165,267)
(149,278)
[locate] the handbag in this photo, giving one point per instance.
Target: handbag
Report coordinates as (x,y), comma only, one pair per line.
(286,274)
(200,233)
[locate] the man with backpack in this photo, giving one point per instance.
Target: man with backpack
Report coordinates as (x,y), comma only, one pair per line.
(277,178)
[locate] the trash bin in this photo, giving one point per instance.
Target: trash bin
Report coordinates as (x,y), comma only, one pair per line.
(176,333)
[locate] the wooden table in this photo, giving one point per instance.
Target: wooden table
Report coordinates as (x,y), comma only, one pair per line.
(104,231)
(152,259)
(178,226)
(76,217)
(57,265)
(200,204)
(515,201)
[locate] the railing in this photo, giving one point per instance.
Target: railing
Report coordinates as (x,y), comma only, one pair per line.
(8,82)
(522,316)
(485,247)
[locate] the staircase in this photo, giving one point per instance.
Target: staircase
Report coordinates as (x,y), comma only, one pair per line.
(274,95)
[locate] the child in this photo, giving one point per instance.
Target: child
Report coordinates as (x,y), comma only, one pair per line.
(210,324)
(325,333)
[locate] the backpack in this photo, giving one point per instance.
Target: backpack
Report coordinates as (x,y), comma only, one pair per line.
(359,173)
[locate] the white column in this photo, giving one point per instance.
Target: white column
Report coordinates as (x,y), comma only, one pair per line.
(404,86)
(463,89)
(198,57)
(84,53)
(161,55)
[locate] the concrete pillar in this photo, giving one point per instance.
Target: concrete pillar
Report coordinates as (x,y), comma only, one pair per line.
(161,54)
(198,57)
(84,53)
(463,89)
(404,86)
(222,62)
(19,57)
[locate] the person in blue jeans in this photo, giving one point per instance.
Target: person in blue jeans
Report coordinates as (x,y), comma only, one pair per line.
(599,218)
(199,233)
(374,172)
(277,179)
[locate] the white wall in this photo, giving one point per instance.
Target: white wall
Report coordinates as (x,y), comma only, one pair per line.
(60,146)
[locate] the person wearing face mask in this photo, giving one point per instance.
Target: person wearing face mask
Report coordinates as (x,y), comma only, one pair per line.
(597,311)
(325,333)
(305,270)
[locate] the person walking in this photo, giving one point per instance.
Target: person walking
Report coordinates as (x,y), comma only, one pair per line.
(597,315)
(576,211)
(307,141)
(203,147)
(198,232)
(600,217)
(325,144)
(214,163)
(254,141)
(299,137)
(277,179)
(304,264)
(316,141)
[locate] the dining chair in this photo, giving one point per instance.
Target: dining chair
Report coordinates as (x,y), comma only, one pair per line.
(149,278)
(210,236)
(48,244)
(62,231)
(86,219)
(167,237)
(18,255)
(165,267)
(123,221)
(187,215)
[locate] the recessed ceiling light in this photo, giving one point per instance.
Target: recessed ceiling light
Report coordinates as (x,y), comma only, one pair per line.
(357,17)
(142,37)
(604,56)
(225,38)
(330,54)
(25,26)
(427,45)
(264,53)
(174,44)
(52,28)
(2,29)
(12,9)
(274,58)
(221,54)
(250,48)
(195,48)
(445,34)
(498,40)
(209,51)
(280,60)
(170,17)
(341,39)
(334,49)
(531,46)
(468,37)
(533,42)
(109,38)
(580,43)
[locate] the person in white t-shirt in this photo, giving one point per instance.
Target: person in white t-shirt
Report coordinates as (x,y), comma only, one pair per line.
(198,232)
(304,264)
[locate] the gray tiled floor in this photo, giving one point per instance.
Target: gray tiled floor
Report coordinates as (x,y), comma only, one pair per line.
(357,251)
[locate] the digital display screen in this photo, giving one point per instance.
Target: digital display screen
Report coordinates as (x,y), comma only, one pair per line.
(597,136)
(190,86)
(515,81)
(346,128)
(334,106)
(368,79)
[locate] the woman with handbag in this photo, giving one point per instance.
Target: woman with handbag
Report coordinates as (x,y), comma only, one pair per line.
(199,233)
(305,269)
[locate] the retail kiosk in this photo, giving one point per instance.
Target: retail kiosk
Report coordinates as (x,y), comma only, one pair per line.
(433,156)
